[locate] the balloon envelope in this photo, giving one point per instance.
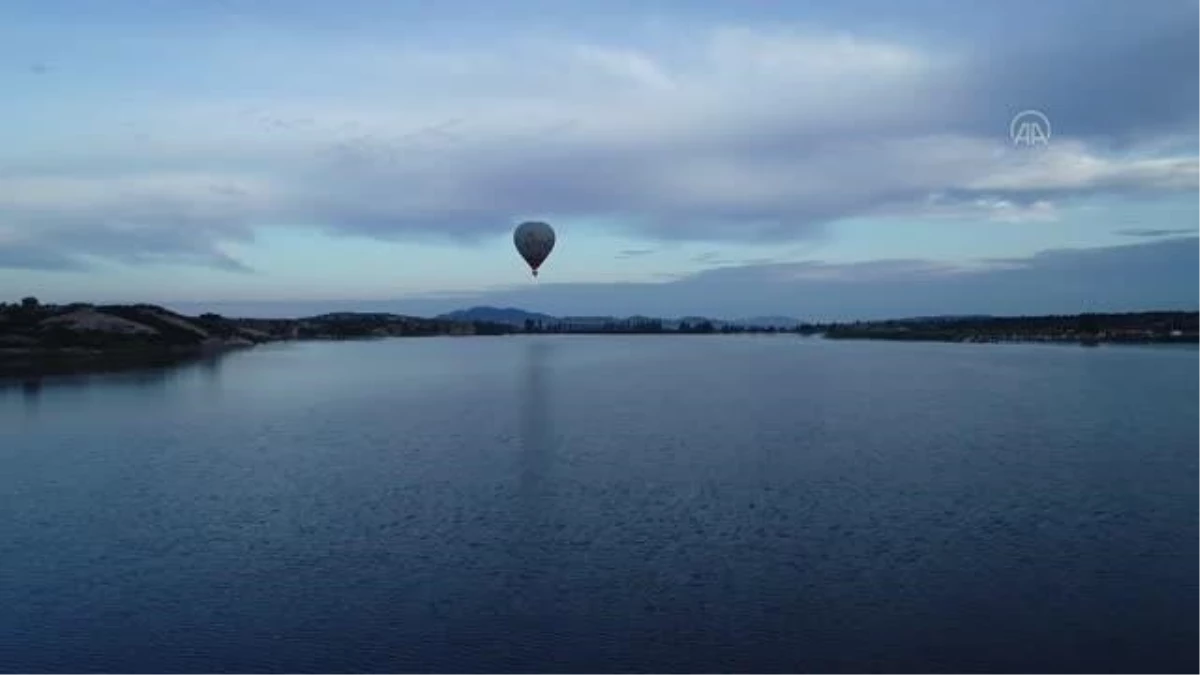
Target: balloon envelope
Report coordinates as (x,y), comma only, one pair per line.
(534,241)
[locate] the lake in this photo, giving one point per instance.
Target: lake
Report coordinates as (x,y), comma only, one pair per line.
(602,504)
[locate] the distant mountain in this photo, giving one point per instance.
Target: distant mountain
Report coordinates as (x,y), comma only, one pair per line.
(768,322)
(335,317)
(506,315)
(516,317)
(944,318)
(698,319)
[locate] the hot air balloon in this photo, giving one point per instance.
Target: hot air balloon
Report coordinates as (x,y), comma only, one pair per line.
(534,241)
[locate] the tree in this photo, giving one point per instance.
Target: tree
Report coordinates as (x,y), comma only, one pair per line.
(30,303)
(1089,323)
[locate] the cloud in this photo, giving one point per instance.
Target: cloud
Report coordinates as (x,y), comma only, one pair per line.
(743,133)
(1151,232)
(708,257)
(939,205)
(25,257)
(626,66)
(1159,274)
(1068,168)
(1105,76)
(634,253)
(132,219)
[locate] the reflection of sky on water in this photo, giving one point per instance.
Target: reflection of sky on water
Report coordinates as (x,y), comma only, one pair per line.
(536,413)
(532,541)
(210,370)
(33,389)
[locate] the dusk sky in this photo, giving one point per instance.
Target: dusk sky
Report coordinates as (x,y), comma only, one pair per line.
(820,160)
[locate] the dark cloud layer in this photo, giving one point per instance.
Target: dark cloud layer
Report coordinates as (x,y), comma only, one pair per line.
(1111,73)
(1152,232)
(1137,277)
(38,257)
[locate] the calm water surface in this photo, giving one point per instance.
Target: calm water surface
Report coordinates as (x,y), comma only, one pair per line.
(597,504)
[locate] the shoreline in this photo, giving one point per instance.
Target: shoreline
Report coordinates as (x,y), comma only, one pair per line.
(24,364)
(34,364)
(45,340)
(1039,340)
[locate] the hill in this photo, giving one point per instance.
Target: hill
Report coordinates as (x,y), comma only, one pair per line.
(37,338)
(54,338)
(505,315)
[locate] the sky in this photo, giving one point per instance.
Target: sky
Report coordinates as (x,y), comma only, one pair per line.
(820,160)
